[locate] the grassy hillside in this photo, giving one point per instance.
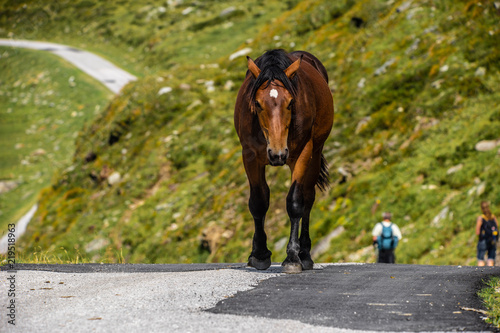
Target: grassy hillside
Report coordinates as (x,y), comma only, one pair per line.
(44,103)
(143,36)
(415,85)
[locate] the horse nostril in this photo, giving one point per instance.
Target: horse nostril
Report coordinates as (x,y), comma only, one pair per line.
(277,158)
(270,154)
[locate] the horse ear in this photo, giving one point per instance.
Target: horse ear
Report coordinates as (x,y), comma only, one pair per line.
(292,69)
(253,67)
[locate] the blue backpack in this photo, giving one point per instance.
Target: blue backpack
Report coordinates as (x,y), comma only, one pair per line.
(387,241)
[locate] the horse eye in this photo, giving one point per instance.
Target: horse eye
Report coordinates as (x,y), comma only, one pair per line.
(289,107)
(257,105)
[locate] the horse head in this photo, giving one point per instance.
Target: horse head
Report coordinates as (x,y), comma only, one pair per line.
(273,103)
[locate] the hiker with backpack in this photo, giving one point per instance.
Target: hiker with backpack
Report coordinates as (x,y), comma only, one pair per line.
(386,236)
(487,230)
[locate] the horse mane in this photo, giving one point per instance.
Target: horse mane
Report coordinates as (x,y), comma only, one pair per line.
(272,65)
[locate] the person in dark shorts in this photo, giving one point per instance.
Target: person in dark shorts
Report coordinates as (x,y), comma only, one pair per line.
(487,230)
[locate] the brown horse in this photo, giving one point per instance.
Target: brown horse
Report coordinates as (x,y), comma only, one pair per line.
(283,115)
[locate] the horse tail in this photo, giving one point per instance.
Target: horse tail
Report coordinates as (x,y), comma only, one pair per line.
(323,182)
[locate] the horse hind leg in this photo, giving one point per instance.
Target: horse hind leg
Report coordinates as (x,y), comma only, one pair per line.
(305,240)
(302,178)
(318,175)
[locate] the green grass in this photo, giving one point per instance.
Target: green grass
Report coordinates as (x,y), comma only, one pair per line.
(143,37)
(491,297)
(41,112)
(178,155)
(183,192)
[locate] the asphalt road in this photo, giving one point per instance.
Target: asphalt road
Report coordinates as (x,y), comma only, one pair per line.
(235,298)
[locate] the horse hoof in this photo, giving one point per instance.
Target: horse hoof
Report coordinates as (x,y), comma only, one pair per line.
(259,264)
(292,268)
(306,261)
(307,264)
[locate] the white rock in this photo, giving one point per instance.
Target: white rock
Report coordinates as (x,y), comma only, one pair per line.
(39,152)
(404,6)
(442,215)
(472,190)
(480,71)
(228,11)
(362,124)
(280,244)
(164,90)
(7,186)
(194,104)
(361,83)
(324,244)
(210,86)
(185,86)
(228,85)
(382,69)
(343,172)
(187,10)
(413,47)
(114,178)
(481,188)
(487,145)
(437,84)
(96,244)
(454,169)
(240,53)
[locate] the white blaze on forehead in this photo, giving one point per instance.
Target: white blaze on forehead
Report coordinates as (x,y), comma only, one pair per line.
(273,93)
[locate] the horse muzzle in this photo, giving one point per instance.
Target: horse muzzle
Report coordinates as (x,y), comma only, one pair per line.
(277,158)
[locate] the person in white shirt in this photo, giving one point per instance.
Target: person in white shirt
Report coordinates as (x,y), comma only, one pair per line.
(387,241)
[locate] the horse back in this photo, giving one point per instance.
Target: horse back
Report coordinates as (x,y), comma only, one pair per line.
(312,60)
(316,113)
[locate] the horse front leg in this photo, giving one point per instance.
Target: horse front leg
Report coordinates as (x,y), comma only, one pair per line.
(260,257)
(295,210)
(258,204)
